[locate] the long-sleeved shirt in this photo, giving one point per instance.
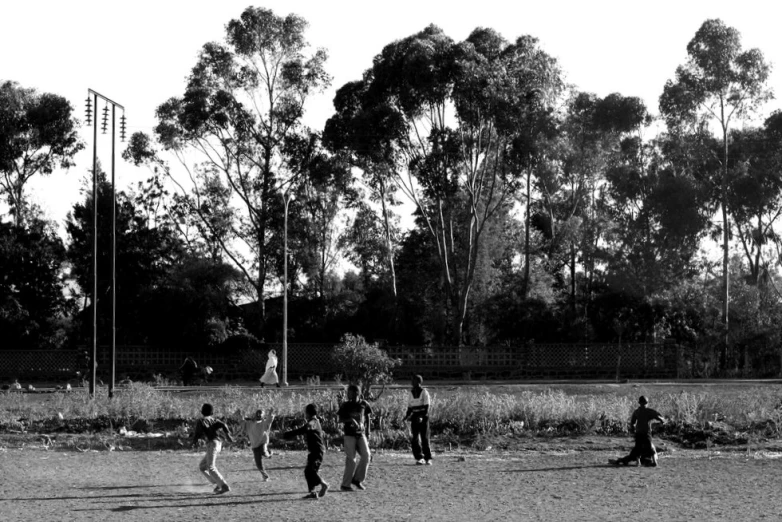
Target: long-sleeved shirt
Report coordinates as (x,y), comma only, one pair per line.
(642,420)
(258,430)
(314,434)
(418,404)
(210,429)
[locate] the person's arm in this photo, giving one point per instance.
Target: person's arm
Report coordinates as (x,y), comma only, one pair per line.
(197,434)
(224,427)
(291,434)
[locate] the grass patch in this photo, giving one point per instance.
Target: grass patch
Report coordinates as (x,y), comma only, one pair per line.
(459,416)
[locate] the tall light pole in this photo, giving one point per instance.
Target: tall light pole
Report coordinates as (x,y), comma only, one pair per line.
(92,100)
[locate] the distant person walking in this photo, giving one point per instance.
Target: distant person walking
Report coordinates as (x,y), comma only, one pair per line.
(212,430)
(352,414)
(188,370)
(418,415)
(270,375)
(641,423)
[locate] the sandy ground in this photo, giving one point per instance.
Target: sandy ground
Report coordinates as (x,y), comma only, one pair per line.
(58,485)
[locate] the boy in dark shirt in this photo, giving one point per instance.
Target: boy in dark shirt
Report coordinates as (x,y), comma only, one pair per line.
(211,429)
(641,422)
(314,434)
(352,414)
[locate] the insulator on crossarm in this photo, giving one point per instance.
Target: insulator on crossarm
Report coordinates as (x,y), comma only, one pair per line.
(89,111)
(122,127)
(105,124)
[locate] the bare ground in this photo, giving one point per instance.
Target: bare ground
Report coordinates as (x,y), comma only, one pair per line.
(555,482)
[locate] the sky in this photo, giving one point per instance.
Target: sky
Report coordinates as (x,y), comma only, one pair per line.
(140,53)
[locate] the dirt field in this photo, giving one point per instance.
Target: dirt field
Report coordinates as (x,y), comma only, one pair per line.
(544,484)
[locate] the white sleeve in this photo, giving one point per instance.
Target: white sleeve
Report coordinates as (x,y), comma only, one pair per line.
(425,398)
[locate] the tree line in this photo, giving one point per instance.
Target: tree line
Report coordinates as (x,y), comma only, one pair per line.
(541,213)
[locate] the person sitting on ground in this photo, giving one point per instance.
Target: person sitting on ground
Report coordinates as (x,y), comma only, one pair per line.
(641,423)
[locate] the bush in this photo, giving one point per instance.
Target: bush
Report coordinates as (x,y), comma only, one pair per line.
(363,363)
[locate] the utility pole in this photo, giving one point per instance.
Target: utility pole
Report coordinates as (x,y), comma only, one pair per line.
(92,100)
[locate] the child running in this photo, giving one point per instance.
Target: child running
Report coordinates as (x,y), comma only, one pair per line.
(641,422)
(211,429)
(314,434)
(257,429)
(352,414)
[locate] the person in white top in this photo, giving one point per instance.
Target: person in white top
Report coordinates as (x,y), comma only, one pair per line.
(258,432)
(418,414)
(270,376)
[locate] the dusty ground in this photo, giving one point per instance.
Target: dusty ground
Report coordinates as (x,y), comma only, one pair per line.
(543,484)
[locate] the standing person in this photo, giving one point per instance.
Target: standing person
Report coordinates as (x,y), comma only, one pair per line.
(352,414)
(212,430)
(257,429)
(270,376)
(188,370)
(418,415)
(641,422)
(316,448)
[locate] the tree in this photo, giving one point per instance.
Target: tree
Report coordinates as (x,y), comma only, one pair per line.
(37,134)
(32,288)
(722,83)
(244,99)
(445,116)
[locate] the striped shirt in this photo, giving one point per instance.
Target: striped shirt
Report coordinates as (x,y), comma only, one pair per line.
(418,405)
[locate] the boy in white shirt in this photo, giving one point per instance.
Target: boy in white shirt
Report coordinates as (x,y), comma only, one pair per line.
(258,432)
(418,414)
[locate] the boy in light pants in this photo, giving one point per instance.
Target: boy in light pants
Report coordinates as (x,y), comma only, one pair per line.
(211,429)
(352,414)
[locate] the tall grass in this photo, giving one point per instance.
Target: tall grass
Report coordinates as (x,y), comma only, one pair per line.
(455,415)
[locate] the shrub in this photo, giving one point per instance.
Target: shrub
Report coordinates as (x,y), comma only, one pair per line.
(363,363)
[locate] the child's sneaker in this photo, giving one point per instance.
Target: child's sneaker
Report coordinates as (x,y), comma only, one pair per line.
(216,489)
(429,462)
(224,489)
(358,485)
(324,487)
(310,496)
(346,488)
(420,462)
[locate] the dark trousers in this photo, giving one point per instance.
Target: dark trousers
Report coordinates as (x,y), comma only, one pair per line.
(311,471)
(420,440)
(642,449)
(258,455)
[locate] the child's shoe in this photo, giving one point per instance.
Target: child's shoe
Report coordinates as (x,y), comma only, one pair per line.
(224,489)
(310,496)
(429,462)
(358,485)
(420,462)
(324,487)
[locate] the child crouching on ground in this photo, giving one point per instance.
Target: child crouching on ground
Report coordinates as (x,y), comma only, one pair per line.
(257,429)
(641,422)
(211,429)
(316,447)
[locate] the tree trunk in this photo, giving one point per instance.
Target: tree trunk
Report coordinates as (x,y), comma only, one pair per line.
(725,246)
(525,283)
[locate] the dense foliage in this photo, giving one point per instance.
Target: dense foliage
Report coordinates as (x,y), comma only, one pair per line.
(540,213)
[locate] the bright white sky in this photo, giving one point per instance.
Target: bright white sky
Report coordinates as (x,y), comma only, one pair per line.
(140,52)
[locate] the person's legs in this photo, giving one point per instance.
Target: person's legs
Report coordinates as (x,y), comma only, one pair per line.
(350,460)
(362,447)
(427,450)
(415,442)
(212,449)
(311,473)
(204,468)
(258,454)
